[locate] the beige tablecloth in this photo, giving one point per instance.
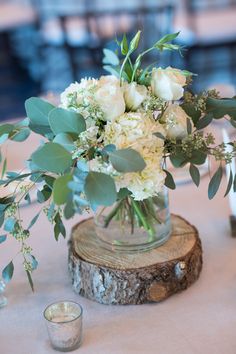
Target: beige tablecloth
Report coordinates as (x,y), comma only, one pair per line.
(201,320)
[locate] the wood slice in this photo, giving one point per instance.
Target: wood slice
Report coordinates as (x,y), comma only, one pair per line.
(111,277)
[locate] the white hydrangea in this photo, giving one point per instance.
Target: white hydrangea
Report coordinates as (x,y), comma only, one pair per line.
(96,100)
(135,130)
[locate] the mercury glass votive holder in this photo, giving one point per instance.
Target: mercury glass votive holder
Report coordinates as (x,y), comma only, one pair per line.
(64,325)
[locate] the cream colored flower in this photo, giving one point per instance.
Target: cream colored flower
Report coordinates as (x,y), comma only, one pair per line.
(175,120)
(168,83)
(135,130)
(109,97)
(134,95)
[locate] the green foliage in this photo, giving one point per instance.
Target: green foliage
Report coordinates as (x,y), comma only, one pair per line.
(64,121)
(215,183)
(110,57)
(220,107)
(204,121)
(229,184)
(37,111)
(192,111)
(3,238)
(33,221)
(52,157)
(61,189)
(163,43)
(44,194)
(7,272)
(59,228)
(100,189)
(65,140)
(169,181)
(126,160)
(194,173)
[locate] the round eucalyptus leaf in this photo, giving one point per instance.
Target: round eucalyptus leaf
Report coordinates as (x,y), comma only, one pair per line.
(64,121)
(100,189)
(52,157)
(61,190)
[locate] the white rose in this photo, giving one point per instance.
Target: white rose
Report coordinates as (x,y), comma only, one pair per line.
(110,98)
(134,95)
(175,120)
(168,83)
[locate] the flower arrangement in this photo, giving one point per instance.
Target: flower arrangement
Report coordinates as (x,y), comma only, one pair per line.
(108,142)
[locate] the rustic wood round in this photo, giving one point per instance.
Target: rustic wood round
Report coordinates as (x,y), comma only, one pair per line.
(111,277)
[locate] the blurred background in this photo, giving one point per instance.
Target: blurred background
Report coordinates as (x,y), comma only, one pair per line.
(47,44)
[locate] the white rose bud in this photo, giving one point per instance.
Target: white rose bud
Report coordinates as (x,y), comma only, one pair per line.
(110,98)
(175,120)
(134,95)
(168,83)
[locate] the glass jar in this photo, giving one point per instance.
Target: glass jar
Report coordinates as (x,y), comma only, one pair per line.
(130,225)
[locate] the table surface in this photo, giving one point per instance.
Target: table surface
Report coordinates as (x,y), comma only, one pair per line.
(199,320)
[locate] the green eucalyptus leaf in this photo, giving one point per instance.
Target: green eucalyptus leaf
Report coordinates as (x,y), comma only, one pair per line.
(189,126)
(3,238)
(27,198)
(198,157)
(204,122)
(64,121)
(230,182)
(9,224)
(110,57)
(178,159)
(33,221)
(169,181)
(192,112)
(30,280)
(52,157)
(194,173)
(215,183)
(43,130)
(220,107)
(61,190)
(37,111)
(59,227)
(100,189)
(49,180)
(44,194)
(234,184)
(20,135)
(127,160)
(6,129)
(69,211)
(159,135)
(7,272)
(65,140)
